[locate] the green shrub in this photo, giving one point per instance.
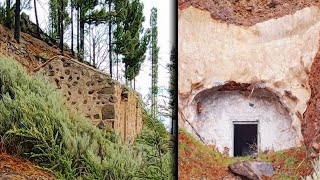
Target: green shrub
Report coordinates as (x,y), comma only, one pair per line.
(39,127)
(157,161)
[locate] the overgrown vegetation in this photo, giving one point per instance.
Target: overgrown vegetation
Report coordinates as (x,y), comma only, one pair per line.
(35,123)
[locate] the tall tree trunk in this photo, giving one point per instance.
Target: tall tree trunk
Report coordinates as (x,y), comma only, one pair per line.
(117,67)
(72,28)
(152,81)
(125,74)
(110,46)
(78,29)
(81,36)
(52,30)
(17,27)
(8,20)
(94,52)
(81,41)
(37,21)
(61,26)
(134,83)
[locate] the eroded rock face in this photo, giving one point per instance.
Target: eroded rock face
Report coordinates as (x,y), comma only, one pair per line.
(311,118)
(278,53)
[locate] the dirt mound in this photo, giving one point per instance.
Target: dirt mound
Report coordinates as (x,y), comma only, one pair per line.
(247,12)
(16,168)
(197,161)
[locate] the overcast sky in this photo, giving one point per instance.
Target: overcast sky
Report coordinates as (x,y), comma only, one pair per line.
(165,41)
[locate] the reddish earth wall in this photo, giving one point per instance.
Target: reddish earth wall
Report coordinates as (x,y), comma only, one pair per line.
(311,118)
(247,12)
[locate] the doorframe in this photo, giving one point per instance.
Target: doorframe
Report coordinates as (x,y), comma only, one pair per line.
(246,121)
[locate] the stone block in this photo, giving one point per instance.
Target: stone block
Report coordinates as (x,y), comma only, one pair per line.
(96,116)
(108,112)
(51,73)
(66,64)
(107,90)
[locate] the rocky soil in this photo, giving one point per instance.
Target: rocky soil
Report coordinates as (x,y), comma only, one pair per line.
(197,161)
(31,52)
(16,168)
(247,12)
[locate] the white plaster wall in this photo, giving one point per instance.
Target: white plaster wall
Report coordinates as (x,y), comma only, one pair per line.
(215,123)
(278,52)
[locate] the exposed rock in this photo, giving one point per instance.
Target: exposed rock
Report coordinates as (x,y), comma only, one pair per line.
(313,155)
(316,146)
(266,169)
(246,169)
(12,176)
(108,112)
(252,170)
(29,27)
(231,178)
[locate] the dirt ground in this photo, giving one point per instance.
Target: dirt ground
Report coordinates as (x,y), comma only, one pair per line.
(11,165)
(196,161)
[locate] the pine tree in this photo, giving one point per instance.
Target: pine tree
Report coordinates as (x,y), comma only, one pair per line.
(172,88)
(129,37)
(88,15)
(72,7)
(53,18)
(121,10)
(36,15)
(8,18)
(61,19)
(58,13)
(110,44)
(154,61)
(17,26)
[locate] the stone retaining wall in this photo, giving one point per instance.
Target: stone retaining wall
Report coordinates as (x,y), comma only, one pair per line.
(94,94)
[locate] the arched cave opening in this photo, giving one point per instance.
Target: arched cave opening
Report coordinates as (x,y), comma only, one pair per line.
(240,124)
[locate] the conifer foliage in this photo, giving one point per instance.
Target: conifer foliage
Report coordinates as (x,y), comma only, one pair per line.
(154,50)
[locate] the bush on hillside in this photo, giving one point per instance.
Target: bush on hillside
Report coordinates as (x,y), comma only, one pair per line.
(35,123)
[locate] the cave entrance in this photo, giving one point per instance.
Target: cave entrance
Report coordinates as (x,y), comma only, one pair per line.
(245,138)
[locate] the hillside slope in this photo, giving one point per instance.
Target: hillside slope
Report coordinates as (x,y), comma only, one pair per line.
(30,52)
(198,161)
(41,129)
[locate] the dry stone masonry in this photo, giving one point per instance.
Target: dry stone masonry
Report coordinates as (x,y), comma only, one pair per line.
(94,94)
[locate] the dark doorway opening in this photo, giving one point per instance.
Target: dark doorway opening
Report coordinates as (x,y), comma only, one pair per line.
(245,139)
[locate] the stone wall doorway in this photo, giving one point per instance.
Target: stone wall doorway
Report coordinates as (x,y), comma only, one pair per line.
(245,138)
